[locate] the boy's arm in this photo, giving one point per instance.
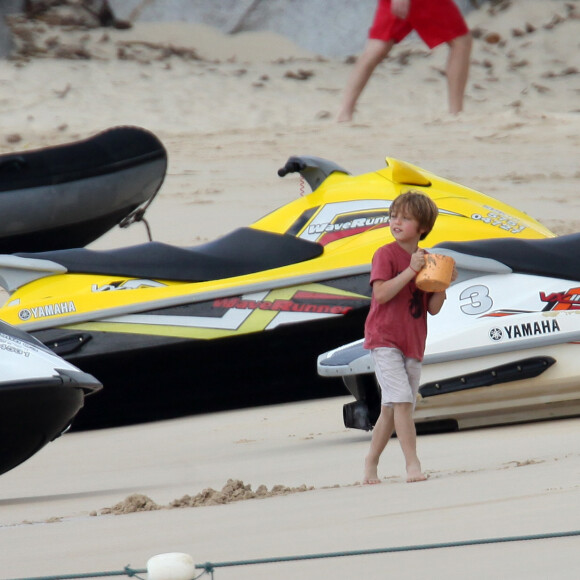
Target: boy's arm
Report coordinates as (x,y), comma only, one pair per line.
(436,302)
(438,298)
(384,290)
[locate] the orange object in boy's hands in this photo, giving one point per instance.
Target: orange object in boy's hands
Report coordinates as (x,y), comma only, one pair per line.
(437,273)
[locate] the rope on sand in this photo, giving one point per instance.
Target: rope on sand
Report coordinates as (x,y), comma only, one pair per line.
(209,567)
(126,571)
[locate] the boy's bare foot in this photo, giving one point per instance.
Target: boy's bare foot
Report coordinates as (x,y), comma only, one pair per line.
(371,477)
(414,473)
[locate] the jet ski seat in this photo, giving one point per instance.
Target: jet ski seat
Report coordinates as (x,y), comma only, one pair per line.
(117,148)
(557,257)
(243,251)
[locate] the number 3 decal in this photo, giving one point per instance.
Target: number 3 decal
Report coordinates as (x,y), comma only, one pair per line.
(477,300)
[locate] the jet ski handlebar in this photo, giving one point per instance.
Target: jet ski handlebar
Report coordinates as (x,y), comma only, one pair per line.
(313,169)
(292,166)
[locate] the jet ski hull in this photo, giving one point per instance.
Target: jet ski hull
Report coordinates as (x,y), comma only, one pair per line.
(40,395)
(538,384)
(33,414)
(150,378)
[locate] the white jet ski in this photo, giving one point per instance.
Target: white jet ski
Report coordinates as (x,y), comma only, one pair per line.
(40,395)
(504,348)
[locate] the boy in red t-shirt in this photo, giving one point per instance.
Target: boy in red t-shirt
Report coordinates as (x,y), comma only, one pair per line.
(396,328)
(436,22)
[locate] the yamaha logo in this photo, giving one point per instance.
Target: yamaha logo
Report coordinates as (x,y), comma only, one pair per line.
(24,314)
(524,330)
(47,310)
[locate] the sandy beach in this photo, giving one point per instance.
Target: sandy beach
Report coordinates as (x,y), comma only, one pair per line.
(492,483)
(230,111)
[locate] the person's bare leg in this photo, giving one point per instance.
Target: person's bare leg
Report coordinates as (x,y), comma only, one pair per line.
(382,432)
(407,435)
(375,51)
(458,71)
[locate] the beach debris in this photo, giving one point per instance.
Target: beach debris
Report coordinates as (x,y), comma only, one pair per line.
(404,57)
(145,52)
(440,71)
(540,88)
(261,82)
(519,63)
(299,75)
(528,29)
(324,115)
(498,6)
(67,29)
(492,38)
(556,19)
(570,70)
(64,92)
(87,13)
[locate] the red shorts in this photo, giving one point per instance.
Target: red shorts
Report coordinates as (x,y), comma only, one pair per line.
(435,21)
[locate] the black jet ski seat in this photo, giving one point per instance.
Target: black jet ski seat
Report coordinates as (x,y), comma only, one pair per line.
(114,149)
(557,257)
(241,252)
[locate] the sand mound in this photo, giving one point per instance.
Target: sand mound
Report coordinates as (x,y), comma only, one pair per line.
(136,502)
(234,490)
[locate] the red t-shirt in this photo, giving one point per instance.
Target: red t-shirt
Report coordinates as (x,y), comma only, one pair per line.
(402,321)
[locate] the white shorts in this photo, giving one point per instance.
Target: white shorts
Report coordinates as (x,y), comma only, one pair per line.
(399,377)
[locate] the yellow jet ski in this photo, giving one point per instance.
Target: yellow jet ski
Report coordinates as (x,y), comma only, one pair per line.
(238,321)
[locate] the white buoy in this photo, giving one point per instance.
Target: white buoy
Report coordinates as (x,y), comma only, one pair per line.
(171,566)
